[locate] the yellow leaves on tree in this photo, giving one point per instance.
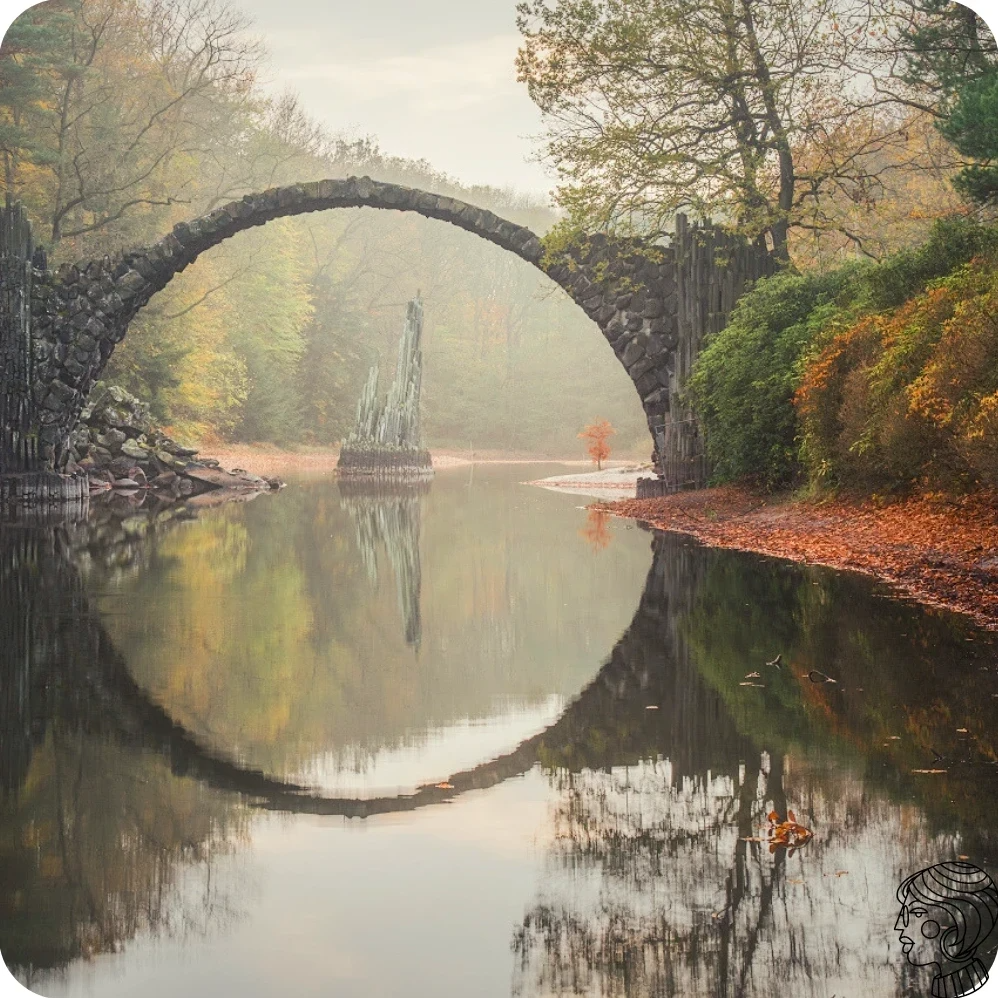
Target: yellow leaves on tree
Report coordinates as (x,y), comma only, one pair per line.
(910,396)
(596,436)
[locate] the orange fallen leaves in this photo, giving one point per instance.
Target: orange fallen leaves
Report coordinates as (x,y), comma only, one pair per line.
(787,834)
(942,550)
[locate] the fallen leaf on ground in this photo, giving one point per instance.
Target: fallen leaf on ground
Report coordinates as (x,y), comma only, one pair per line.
(937,542)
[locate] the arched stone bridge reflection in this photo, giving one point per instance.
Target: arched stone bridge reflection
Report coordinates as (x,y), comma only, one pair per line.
(65,664)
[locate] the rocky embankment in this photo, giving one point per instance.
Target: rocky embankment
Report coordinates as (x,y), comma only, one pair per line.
(119,448)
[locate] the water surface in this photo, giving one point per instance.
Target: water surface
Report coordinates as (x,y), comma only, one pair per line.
(466,740)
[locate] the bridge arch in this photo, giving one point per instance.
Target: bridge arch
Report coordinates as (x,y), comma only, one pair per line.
(81,311)
(653,303)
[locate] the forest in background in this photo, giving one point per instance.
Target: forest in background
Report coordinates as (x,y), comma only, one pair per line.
(120,118)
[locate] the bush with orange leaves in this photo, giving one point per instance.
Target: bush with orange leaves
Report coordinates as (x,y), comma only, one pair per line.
(909,396)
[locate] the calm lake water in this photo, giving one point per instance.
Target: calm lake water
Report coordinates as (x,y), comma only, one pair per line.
(471,740)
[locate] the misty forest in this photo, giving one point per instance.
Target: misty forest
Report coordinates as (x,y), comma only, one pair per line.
(499,499)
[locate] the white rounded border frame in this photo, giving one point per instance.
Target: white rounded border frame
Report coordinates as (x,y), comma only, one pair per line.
(9,11)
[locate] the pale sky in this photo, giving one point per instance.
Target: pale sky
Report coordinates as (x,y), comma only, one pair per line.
(431,79)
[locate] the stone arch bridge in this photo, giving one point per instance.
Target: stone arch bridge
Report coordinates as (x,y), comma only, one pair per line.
(58,329)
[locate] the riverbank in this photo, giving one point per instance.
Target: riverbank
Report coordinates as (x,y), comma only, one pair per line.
(267,460)
(612,482)
(939,550)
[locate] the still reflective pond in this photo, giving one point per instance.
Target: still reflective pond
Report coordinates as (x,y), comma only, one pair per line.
(469,740)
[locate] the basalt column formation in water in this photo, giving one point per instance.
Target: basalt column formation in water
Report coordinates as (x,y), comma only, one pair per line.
(387,441)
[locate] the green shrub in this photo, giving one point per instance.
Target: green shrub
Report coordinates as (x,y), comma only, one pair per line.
(743,383)
(828,327)
(893,281)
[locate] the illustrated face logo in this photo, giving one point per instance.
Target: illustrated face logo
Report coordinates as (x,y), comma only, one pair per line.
(948,913)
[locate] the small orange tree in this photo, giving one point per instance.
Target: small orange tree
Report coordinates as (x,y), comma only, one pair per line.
(596,436)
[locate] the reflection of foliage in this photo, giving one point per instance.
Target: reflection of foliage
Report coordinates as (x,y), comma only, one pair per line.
(98,842)
(889,704)
(658,886)
(266,651)
(596,532)
(102,844)
(660,878)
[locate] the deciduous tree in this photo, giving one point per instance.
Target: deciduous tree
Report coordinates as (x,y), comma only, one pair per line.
(597,437)
(659,106)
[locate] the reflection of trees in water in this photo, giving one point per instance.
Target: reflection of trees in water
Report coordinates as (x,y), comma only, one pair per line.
(653,885)
(98,842)
(651,889)
(387,514)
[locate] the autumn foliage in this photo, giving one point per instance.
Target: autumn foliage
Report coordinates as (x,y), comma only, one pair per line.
(596,436)
(869,378)
(910,396)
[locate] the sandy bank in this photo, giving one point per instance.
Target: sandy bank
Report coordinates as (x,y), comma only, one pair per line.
(613,482)
(264,459)
(939,550)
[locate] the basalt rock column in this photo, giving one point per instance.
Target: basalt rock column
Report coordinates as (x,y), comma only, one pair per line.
(387,440)
(27,414)
(386,515)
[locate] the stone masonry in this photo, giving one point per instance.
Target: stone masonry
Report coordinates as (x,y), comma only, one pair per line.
(633,291)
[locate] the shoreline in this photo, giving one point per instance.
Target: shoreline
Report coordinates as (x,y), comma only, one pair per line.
(941,551)
(263,459)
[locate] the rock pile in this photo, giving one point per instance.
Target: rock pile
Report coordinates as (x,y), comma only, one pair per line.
(117,446)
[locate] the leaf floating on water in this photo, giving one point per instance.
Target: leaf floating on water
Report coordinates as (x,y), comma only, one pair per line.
(790,833)
(750,838)
(963,857)
(962,731)
(930,772)
(754,675)
(819,677)
(776,661)
(652,706)
(445,786)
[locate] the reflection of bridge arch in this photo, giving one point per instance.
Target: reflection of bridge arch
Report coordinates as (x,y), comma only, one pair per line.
(643,669)
(84,677)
